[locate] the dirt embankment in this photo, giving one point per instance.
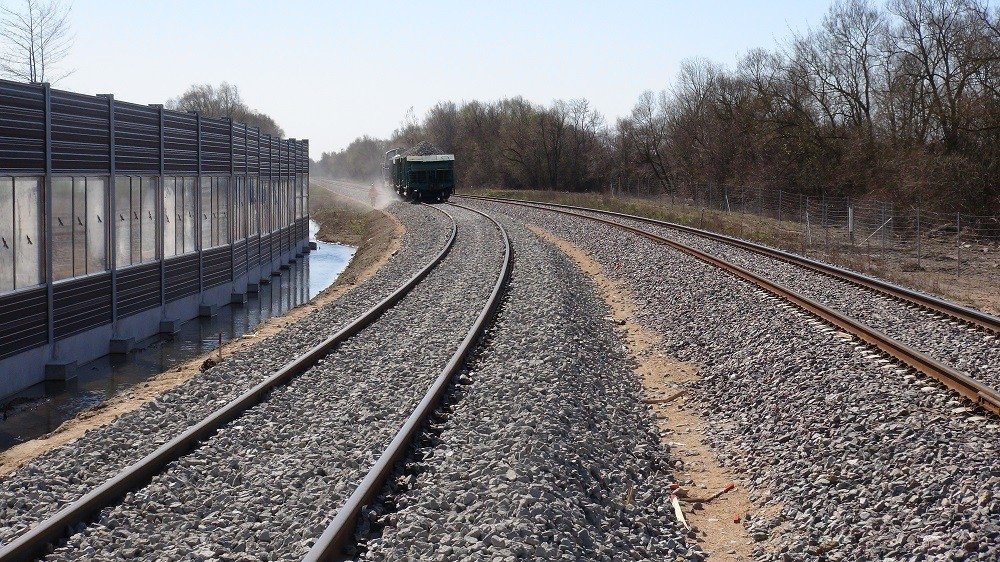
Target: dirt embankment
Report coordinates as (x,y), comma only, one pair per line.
(344,220)
(375,233)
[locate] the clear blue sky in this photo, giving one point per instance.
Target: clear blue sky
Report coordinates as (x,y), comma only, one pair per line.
(330,71)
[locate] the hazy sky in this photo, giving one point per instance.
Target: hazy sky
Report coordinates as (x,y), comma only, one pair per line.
(330,71)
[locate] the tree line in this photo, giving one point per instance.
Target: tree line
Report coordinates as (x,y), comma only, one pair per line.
(898,100)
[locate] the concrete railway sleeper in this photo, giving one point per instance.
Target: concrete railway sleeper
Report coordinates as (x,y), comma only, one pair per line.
(977,391)
(73,517)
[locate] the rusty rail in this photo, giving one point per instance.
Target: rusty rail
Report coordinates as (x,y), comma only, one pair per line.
(965,314)
(958,381)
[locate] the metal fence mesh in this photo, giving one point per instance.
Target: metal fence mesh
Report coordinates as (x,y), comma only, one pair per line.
(947,253)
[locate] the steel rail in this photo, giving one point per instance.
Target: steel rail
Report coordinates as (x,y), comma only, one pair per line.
(34,542)
(338,534)
(958,381)
(975,317)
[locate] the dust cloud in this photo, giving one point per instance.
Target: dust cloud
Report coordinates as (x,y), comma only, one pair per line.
(372,193)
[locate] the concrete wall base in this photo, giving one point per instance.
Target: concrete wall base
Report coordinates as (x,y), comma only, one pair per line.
(170,326)
(121,346)
(60,370)
(57,362)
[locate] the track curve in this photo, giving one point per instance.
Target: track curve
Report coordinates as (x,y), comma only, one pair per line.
(34,542)
(974,390)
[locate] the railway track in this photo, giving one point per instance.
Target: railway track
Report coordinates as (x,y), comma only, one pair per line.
(977,391)
(339,533)
(133,482)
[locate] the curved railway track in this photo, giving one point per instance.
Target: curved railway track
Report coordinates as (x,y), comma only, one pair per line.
(974,390)
(37,541)
(339,533)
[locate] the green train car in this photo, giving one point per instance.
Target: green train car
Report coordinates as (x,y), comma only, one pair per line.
(422,177)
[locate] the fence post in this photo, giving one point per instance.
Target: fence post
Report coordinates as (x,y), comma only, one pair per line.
(883,224)
(47,217)
(826,226)
(850,223)
(958,240)
(802,217)
(808,229)
(918,239)
(725,194)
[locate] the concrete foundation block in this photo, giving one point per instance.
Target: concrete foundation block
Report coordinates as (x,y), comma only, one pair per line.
(170,326)
(253,288)
(60,370)
(238,298)
(277,273)
(207,310)
(313,246)
(286,266)
(121,346)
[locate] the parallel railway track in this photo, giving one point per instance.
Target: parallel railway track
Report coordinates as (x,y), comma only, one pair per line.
(968,387)
(37,541)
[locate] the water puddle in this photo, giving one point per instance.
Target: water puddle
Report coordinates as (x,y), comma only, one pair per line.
(43,407)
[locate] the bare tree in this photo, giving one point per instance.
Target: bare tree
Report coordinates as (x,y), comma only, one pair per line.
(224,100)
(36,38)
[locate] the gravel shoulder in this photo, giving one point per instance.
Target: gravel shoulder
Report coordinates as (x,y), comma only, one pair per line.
(544,449)
(665,387)
(847,455)
(60,475)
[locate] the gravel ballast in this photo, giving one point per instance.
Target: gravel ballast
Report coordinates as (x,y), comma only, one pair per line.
(848,456)
(966,348)
(265,486)
(546,451)
(62,475)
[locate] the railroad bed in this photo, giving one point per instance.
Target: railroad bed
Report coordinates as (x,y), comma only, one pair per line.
(543,448)
(267,482)
(851,456)
(966,340)
(541,443)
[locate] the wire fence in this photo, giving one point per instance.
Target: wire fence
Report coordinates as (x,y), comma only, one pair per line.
(934,248)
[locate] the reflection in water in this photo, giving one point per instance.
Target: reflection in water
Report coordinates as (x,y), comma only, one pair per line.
(41,408)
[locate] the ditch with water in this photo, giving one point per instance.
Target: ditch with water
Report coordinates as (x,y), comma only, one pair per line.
(40,409)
